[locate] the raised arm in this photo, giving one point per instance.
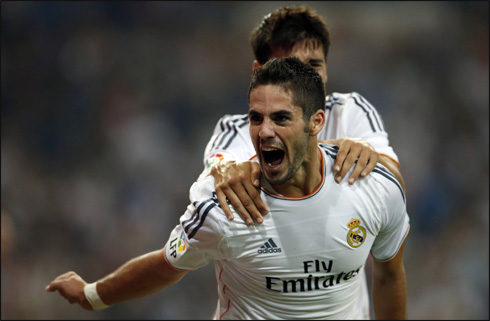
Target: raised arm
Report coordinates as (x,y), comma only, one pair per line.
(139,277)
(389,289)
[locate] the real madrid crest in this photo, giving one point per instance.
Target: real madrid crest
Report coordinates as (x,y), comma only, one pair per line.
(357,234)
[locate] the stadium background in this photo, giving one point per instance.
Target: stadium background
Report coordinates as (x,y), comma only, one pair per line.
(107,107)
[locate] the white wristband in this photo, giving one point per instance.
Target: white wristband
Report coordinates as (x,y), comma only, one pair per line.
(93,297)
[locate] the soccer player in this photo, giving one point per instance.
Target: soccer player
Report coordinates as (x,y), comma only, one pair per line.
(352,122)
(306,260)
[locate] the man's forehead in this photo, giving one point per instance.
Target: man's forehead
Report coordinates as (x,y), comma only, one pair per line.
(270,97)
(304,50)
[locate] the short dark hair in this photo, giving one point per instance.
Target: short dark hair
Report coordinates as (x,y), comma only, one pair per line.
(285,27)
(296,77)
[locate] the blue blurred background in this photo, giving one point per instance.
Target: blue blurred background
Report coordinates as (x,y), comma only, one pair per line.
(107,107)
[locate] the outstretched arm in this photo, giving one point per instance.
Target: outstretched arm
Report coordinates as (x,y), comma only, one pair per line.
(141,276)
(389,289)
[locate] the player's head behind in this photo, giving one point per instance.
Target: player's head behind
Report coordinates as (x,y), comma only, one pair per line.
(292,30)
(286,98)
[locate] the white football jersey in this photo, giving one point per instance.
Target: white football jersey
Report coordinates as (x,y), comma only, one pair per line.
(347,115)
(306,260)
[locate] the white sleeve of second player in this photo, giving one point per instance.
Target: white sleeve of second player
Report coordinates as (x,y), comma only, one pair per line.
(361,120)
(230,141)
(197,240)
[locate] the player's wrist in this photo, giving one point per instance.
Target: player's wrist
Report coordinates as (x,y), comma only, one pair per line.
(93,297)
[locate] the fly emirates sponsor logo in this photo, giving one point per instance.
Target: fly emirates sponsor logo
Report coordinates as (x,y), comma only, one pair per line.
(310,282)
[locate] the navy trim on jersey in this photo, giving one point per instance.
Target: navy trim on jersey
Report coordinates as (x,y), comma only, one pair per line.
(193,218)
(369,110)
(386,173)
(209,203)
(375,113)
(330,150)
(229,131)
(331,101)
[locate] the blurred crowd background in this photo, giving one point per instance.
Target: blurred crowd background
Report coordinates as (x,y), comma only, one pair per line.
(107,107)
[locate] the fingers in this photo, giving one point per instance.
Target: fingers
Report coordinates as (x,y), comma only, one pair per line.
(255,174)
(359,167)
(351,150)
(240,193)
(223,202)
(344,160)
(236,184)
(236,195)
(256,207)
(55,284)
(372,161)
(70,286)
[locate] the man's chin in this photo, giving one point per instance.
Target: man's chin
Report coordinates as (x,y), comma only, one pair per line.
(275,177)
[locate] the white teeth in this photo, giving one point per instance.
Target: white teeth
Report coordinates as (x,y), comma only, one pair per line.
(269,164)
(269,149)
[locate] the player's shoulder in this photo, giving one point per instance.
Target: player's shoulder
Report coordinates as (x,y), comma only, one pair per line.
(336,99)
(228,120)
(383,176)
(329,154)
(329,149)
(380,178)
(203,189)
(203,198)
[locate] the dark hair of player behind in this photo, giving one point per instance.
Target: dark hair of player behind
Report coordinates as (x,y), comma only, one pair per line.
(287,26)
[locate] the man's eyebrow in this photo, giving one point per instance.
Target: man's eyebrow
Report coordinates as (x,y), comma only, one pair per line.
(282,112)
(253,113)
(314,61)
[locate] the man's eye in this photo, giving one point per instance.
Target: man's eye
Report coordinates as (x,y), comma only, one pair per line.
(281,119)
(255,118)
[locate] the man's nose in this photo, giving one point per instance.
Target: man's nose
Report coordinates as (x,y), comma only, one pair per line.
(266,130)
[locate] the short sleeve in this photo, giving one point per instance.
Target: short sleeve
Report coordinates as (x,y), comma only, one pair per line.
(196,241)
(395,222)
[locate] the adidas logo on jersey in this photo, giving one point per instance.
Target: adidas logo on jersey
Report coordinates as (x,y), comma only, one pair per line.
(269,247)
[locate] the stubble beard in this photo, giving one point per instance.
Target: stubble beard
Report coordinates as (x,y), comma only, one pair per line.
(302,148)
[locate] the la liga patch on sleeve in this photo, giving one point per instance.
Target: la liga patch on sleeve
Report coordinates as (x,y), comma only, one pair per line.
(215,158)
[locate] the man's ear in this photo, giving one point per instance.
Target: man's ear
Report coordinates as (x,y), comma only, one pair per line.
(317,121)
(255,65)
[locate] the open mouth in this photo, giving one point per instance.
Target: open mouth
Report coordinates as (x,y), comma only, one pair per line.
(272,156)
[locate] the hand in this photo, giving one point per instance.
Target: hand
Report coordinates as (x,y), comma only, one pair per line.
(233,181)
(70,286)
(351,149)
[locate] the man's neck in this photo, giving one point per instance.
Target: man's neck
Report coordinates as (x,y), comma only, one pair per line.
(306,180)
